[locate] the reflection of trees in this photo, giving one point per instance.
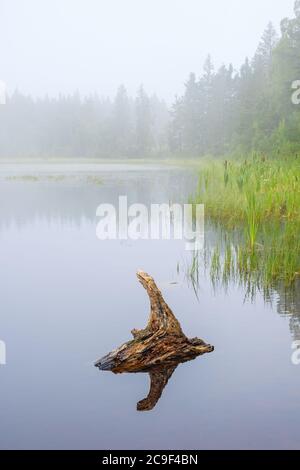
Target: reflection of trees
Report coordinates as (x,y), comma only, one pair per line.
(71,199)
(288,303)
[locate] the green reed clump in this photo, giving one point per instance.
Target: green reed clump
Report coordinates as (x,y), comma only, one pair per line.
(259,199)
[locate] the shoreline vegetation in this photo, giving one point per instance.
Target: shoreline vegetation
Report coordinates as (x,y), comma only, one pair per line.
(256,205)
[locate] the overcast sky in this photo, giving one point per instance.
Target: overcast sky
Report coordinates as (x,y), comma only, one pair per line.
(94,45)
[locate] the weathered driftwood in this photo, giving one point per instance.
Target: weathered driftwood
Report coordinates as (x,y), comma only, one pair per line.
(162,342)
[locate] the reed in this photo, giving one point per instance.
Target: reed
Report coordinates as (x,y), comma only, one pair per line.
(257,201)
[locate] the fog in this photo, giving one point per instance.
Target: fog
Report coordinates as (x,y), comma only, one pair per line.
(123,79)
(59,46)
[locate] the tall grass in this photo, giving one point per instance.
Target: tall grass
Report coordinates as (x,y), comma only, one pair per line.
(257,201)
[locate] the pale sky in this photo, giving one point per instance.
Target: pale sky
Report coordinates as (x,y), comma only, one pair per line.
(52,46)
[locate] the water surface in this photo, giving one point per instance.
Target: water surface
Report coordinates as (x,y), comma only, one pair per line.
(67,299)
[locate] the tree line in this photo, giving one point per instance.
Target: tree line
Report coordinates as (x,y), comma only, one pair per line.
(225,111)
(72,126)
(222,111)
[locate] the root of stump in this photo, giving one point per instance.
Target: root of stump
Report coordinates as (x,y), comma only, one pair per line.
(162,342)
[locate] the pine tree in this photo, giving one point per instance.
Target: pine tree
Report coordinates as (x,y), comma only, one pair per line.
(122,123)
(144,138)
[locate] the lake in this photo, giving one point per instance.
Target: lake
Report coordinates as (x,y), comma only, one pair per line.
(68,298)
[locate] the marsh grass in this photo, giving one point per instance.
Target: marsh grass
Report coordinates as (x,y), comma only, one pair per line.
(23,178)
(257,202)
(94,179)
(193,272)
(35,178)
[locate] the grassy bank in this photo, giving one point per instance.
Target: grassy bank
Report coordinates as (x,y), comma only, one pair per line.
(257,201)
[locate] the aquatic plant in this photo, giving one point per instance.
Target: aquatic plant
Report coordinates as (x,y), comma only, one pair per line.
(257,202)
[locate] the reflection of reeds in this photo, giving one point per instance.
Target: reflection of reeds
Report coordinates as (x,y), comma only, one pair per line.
(258,203)
(29,178)
(193,272)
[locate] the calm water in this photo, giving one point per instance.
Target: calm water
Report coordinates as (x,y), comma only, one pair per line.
(67,299)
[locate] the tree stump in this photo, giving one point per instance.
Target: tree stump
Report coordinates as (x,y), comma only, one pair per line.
(161,345)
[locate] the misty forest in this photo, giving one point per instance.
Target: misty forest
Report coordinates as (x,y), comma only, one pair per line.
(221,112)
